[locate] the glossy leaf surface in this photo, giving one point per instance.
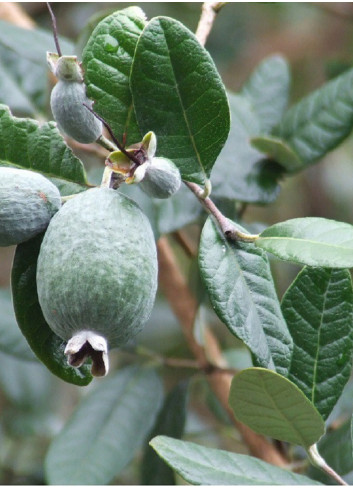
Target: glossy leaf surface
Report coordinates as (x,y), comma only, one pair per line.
(106,430)
(25,144)
(268,90)
(313,241)
(273,406)
(178,94)
(107,60)
(320,121)
(241,172)
(48,347)
(170,422)
(240,286)
(207,466)
(318,309)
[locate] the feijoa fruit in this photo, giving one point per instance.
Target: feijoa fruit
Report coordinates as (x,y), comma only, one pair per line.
(97,274)
(28,201)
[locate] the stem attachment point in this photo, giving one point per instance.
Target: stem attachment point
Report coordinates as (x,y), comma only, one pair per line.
(316,459)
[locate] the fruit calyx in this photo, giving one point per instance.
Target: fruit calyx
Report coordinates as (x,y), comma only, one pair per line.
(88,344)
(66,68)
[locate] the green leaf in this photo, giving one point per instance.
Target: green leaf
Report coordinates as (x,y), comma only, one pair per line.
(11,93)
(336,448)
(318,309)
(24,143)
(171,422)
(273,406)
(313,241)
(166,215)
(31,44)
(48,347)
(268,90)
(28,385)
(107,60)
(343,407)
(320,121)
(90,24)
(239,282)
(106,430)
(12,341)
(241,172)
(178,94)
(277,150)
(207,466)
(352,434)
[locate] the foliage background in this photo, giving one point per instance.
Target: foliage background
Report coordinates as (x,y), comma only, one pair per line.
(317,40)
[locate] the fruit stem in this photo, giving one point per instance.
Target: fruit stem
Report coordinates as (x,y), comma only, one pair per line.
(55,30)
(105,143)
(109,129)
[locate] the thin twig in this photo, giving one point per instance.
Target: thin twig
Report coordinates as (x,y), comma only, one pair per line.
(110,130)
(227,227)
(55,30)
(208,15)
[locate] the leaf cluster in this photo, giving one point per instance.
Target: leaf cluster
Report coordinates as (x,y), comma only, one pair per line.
(153,75)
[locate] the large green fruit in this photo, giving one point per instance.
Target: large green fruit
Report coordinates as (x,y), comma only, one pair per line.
(97,274)
(27,203)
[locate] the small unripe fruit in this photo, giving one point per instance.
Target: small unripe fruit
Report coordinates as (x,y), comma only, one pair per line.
(72,117)
(68,98)
(97,274)
(162,179)
(28,201)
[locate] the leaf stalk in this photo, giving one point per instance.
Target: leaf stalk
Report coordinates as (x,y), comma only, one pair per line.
(316,459)
(226,226)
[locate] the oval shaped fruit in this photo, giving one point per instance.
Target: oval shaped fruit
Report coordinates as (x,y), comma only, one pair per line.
(73,118)
(97,274)
(162,179)
(28,201)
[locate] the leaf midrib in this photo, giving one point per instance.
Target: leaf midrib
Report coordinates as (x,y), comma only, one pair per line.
(243,278)
(316,361)
(282,414)
(309,241)
(204,465)
(198,157)
(305,122)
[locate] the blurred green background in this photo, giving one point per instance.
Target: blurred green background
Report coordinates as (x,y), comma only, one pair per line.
(317,40)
